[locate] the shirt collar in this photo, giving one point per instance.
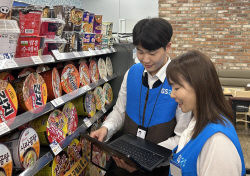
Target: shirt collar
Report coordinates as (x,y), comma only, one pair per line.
(161,74)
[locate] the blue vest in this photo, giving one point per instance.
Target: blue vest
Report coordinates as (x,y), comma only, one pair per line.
(165,107)
(187,157)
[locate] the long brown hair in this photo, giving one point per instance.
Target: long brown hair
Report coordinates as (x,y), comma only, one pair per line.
(199,71)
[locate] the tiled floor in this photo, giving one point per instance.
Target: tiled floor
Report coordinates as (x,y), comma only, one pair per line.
(244,137)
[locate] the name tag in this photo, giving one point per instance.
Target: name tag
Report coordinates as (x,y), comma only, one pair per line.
(175,168)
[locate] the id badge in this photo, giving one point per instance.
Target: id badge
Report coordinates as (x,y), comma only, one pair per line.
(175,168)
(141,132)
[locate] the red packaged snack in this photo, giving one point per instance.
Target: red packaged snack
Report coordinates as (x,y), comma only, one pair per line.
(52,27)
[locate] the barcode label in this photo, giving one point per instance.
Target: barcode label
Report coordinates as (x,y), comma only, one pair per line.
(105,79)
(87,87)
(55,147)
(10,64)
(87,122)
(104,110)
(4,128)
(36,59)
(29,31)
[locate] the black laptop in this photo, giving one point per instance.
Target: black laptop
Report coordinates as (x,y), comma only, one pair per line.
(139,153)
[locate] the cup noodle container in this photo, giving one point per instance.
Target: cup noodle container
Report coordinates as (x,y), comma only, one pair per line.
(64,12)
(29,46)
(24,146)
(85,105)
(99,98)
(92,41)
(30,22)
(84,74)
(52,27)
(102,68)
(76,17)
(5,9)
(25,72)
(85,45)
(53,44)
(94,72)
(31,91)
(107,28)
(97,26)
(98,41)
(53,83)
(6,76)
(109,66)
(50,127)
(69,36)
(74,152)
(42,68)
(108,93)
(8,102)
(6,161)
(58,167)
(85,146)
(9,33)
(70,113)
(70,79)
(44,9)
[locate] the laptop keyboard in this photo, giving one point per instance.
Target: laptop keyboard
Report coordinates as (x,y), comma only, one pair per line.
(142,156)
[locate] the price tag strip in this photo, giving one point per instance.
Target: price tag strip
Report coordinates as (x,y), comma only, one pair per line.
(4,128)
(105,79)
(58,101)
(55,147)
(76,54)
(10,64)
(87,53)
(87,122)
(58,55)
(37,59)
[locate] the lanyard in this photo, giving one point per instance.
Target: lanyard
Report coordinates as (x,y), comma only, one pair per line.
(145,107)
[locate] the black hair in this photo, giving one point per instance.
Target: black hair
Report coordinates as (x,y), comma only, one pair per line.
(152,33)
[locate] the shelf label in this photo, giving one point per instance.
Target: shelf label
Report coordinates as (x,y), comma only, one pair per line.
(87,122)
(55,147)
(10,64)
(86,53)
(76,54)
(104,110)
(88,87)
(1,64)
(92,52)
(4,128)
(57,55)
(113,49)
(36,59)
(58,101)
(104,51)
(108,50)
(105,79)
(103,172)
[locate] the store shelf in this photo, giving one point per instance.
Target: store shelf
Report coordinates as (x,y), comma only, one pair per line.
(25,62)
(76,93)
(80,54)
(26,117)
(49,156)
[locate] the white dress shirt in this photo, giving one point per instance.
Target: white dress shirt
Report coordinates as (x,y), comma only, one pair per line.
(116,118)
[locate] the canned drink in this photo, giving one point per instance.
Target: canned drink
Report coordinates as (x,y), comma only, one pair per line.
(24,146)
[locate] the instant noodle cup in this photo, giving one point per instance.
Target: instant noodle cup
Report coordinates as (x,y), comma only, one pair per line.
(53,82)
(44,9)
(69,62)
(107,28)
(79,105)
(64,12)
(102,68)
(74,152)
(29,46)
(97,26)
(90,103)
(94,72)
(24,146)
(52,27)
(25,72)
(9,33)
(70,80)
(69,36)
(109,66)
(70,113)
(50,127)
(6,161)
(84,74)
(31,91)
(30,22)
(6,76)
(108,93)
(53,44)
(92,41)
(42,68)
(99,98)
(8,102)
(58,167)
(5,9)
(76,16)
(85,146)
(98,41)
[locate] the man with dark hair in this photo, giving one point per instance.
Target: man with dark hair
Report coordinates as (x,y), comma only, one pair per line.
(144,101)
